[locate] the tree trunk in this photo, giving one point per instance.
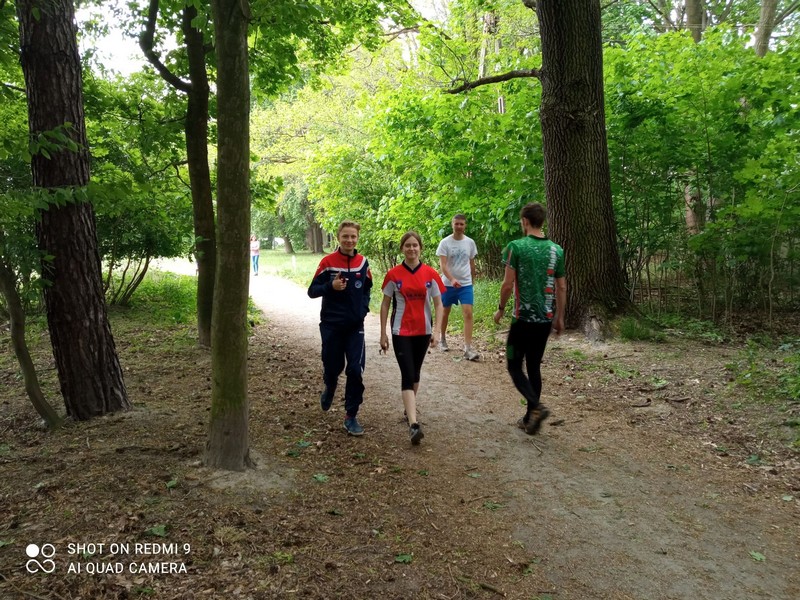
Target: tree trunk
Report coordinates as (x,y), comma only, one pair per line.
(766,22)
(314,235)
(89,372)
(228,443)
(695,19)
(577,177)
(199,175)
(287,243)
(196,131)
(17,317)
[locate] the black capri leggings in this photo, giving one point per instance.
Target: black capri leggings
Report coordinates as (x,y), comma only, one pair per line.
(410,351)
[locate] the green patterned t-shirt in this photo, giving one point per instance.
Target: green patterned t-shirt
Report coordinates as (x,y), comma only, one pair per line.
(538,263)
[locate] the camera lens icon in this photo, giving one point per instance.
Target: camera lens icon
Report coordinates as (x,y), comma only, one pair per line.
(47,552)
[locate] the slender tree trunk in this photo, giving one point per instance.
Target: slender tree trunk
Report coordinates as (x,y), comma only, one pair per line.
(577,176)
(766,22)
(196,130)
(287,243)
(228,443)
(199,175)
(17,317)
(88,368)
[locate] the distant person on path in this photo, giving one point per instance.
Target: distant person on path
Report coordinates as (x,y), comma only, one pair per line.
(255,250)
(457,254)
(344,281)
(409,288)
(534,272)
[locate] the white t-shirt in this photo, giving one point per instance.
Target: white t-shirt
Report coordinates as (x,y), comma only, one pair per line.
(458,253)
(255,246)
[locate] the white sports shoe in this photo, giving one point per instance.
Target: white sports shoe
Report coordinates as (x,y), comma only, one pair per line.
(443,345)
(470,354)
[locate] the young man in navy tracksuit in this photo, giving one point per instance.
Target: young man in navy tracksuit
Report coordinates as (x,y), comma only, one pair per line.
(344,281)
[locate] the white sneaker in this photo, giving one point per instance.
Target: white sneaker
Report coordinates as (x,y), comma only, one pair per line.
(443,345)
(470,354)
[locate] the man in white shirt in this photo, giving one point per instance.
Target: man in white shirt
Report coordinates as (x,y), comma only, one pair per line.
(457,254)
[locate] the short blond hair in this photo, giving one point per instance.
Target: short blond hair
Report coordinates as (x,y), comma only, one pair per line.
(344,224)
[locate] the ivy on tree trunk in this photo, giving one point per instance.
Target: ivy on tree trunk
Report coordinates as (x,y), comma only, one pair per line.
(89,372)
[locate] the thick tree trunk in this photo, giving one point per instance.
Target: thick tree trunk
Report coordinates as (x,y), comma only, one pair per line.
(88,368)
(228,441)
(199,176)
(766,23)
(314,236)
(695,19)
(577,177)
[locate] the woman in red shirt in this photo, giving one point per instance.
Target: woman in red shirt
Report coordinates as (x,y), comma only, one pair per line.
(409,288)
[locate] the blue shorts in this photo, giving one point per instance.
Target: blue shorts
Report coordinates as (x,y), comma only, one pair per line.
(457,295)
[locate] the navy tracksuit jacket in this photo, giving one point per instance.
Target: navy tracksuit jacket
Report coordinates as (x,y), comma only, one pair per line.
(342,322)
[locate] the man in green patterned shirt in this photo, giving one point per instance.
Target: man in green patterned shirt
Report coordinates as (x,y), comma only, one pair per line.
(534,273)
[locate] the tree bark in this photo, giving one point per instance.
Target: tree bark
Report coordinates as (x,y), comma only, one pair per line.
(288,247)
(196,130)
(17,317)
(577,176)
(89,372)
(199,175)
(695,19)
(766,23)
(228,443)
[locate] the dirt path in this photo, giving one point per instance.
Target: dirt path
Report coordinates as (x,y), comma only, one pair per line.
(612,500)
(652,480)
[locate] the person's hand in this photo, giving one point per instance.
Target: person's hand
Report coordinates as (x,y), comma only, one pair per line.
(456,284)
(339,283)
(558,325)
(384,342)
(498,315)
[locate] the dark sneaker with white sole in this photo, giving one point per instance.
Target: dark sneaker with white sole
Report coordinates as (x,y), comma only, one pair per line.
(353,427)
(415,431)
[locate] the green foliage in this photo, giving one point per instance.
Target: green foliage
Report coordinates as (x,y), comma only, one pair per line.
(167,298)
(717,124)
(157,530)
(634,329)
(292,42)
(143,206)
(770,375)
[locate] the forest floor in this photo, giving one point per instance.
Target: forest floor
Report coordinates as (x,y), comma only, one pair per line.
(652,479)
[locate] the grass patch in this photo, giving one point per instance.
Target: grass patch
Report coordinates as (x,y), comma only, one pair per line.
(695,329)
(166,298)
(633,329)
(298,267)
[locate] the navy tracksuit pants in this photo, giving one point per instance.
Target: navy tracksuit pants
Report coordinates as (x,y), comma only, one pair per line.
(342,345)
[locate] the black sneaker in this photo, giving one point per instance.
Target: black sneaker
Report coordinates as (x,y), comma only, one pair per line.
(535,420)
(326,399)
(522,423)
(353,427)
(416,434)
